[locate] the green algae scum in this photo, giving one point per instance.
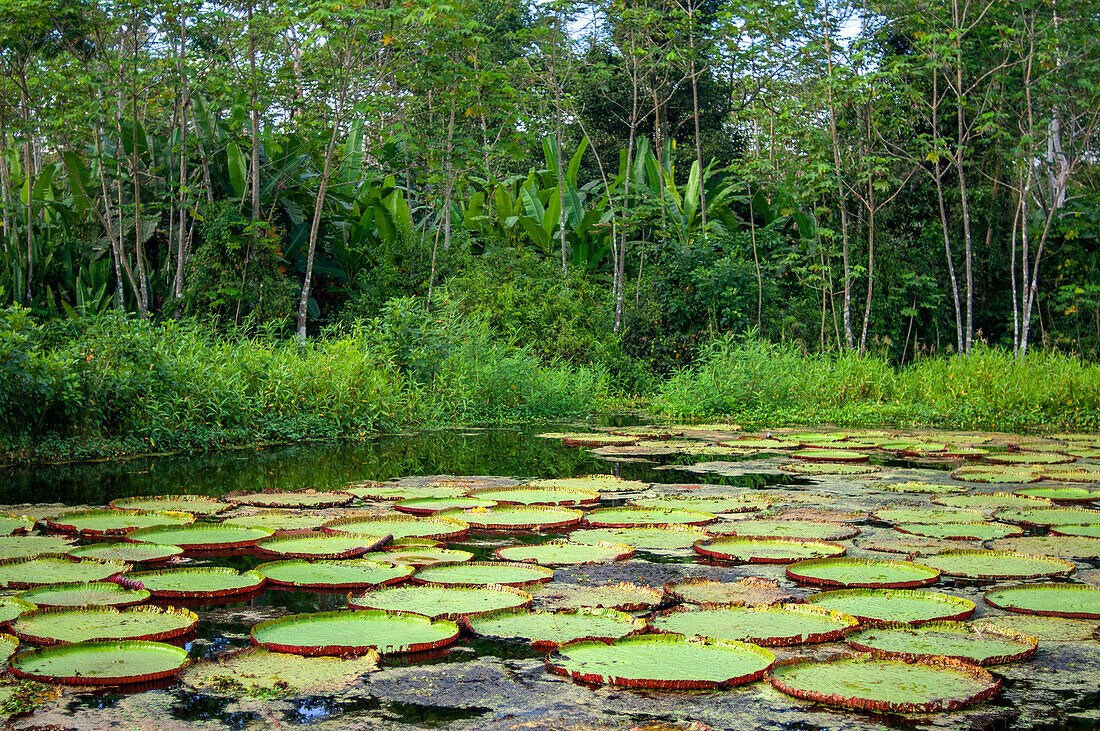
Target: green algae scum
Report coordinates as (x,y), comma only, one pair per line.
(575,577)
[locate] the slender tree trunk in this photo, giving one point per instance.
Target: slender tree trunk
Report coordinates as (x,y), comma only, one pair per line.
(314,231)
(960,117)
(849,337)
(255,157)
(950,258)
(870,267)
(698,138)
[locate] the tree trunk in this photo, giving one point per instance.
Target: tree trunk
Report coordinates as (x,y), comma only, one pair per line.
(314,230)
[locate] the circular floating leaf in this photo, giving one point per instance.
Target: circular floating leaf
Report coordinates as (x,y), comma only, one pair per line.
(997,474)
(556,553)
(1052,545)
(924,487)
(197,504)
(354,632)
(32,546)
(588,439)
(666,538)
(818,515)
(11,607)
(419,556)
(319,545)
(1045,629)
(599,483)
(517,518)
(925,449)
(765,528)
(751,591)
(1048,516)
(646,432)
(407,492)
(997,565)
(766,550)
(878,606)
(927,515)
(99,593)
(131,552)
(638,517)
(27,573)
(102,624)
(979,530)
(280,521)
(991,501)
(715,504)
(537,496)
(624,596)
(8,646)
(668,662)
(400,526)
(761,443)
(291,499)
(100,663)
(909,544)
(552,629)
(483,573)
(201,537)
(830,455)
(1028,458)
(829,468)
(989,645)
(443,602)
(1061,494)
(956,452)
(10,524)
(94,523)
(430,505)
(775,626)
(868,683)
(1055,600)
(863,573)
(1087,530)
(195,583)
(346,574)
(257,672)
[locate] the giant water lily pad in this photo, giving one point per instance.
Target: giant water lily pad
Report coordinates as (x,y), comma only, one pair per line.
(863,573)
(598,483)
(280,521)
(1061,493)
(877,606)
(483,573)
(11,607)
(195,583)
(405,492)
(589,439)
(1055,600)
(908,544)
(666,538)
(1028,458)
(319,545)
(8,646)
(1051,545)
(783,528)
(292,499)
(400,526)
(713,504)
(100,663)
(552,629)
(517,518)
(624,596)
(537,495)
(766,550)
(558,553)
(430,505)
(1048,516)
(346,574)
(97,593)
(197,504)
(443,602)
(997,565)
(868,683)
(131,552)
(635,517)
(751,442)
(100,624)
(775,626)
(1045,629)
(10,524)
(670,662)
(1086,530)
(256,671)
(830,455)
(201,537)
(829,468)
(93,523)
(418,556)
(1070,474)
(978,530)
(991,501)
(32,546)
(927,515)
(750,591)
(988,645)
(354,632)
(923,487)
(27,573)
(997,474)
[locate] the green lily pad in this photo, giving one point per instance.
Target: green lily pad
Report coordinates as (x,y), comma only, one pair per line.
(877,606)
(131,552)
(557,553)
(430,505)
(989,645)
(1044,629)
(10,524)
(925,449)
(712,504)
(100,663)
(516,517)
(32,546)
(1048,516)
(255,671)
(771,528)
(908,544)
(279,521)
(407,492)
(927,515)
(1028,458)
(197,504)
(637,517)
(354,632)
(774,626)
(483,573)
(400,526)
(292,499)
(1061,494)
(829,468)
(997,565)
(991,501)
(997,474)
(537,496)
(195,583)
(11,607)
(1051,545)
(346,574)
(978,530)
(667,662)
(419,556)
(922,487)
(102,624)
(93,523)
(830,455)
(863,573)
(8,646)
(749,591)
(201,537)
(667,538)
(1085,530)
(766,550)
(624,596)
(1055,600)
(27,573)
(98,593)
(956,452)
(443,602)
(598,483)
(588,439)
(868,683)
(552,629)
(759,443)
(319,545)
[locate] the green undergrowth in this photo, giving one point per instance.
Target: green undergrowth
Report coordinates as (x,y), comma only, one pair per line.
(760,383)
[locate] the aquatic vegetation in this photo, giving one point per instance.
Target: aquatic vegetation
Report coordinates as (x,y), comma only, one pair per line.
(28,573)
(280,521)
(351,573)
(258,672)
(537,496)
(552,629)
(624,596)
(650,538)
(516,517)
(196,504)
(100,624)
(782,528)
(291,499)
(202,536)
(558,553)
(399,526)
(100,663)
(319,545)
(128,552)
(483,573)
(877,606)
(628,517)
(749,591)
(97,593)
(863,573)
(766,550)
(767,626)
(354,632)
(978,530)
(203,582)
(1054,600)
(987,645)
(443,602)
(997,565)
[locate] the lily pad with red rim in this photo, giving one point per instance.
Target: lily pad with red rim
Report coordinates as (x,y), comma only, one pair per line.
(55,626)
(552,629)
(537,495)
(868,683)
(991,501)
(319,545)
(442,602)
(624,596)
(516,517)
(665,662)
(997,474)
(280,521)
(199,582)
(711,504)
(746,549)
(829,468)
(100,663)
(1045,629)
(430,505)
(10,524)
(197,504)
(997,565)
(291,498)
(11,607)
(96,523)
(627,517)
(598,483)
(558,553)
(32,546)
(400,526)
(1051,545)
(1069,474)
(1084,530)
(406,492)
(1061,493)
(830,455)
(201,537)
(978,530)
(28,573)
(990,645)
(784,528)
(908,544)
(863,573)
(1055,600)
(654,538)
(418,556)
(8,646)
(922,487)
(1048,516)
(98,593)
(1029,458)
(483,573)
(256,671)
(130,552)
(346,574)
(354,632)
(878,606)
(748,591)
(927,515)
(768,626)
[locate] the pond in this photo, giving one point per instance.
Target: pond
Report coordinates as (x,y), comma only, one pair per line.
(839,501)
